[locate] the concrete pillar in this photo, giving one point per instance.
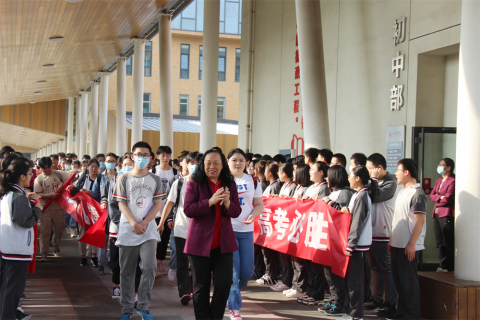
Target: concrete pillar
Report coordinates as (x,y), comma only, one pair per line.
(208,117)
(77,124)
(166,80)
(103,115)
(83,125)
(121,143)
(54,147)
(70,125)
(312,74)
(138,79)
(467,190)
(94,121)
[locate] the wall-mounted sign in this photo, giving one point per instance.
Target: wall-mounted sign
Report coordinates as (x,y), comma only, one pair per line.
(395,147)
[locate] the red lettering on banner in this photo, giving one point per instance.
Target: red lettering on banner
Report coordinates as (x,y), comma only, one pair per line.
(309,230)
(296,89)
(297,72)
(296,40)
(296,106)
(297,58)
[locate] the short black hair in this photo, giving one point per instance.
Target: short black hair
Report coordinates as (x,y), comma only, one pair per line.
(322,166)
(279,158)
(76,162)
(326,154)
(312,153)
(142,144)
(45,162)
(359,159)
(100,155)
(175,162)
(68,161)
(302,175)
(249,156)
(191,156)
(299,160)
(86,157)
(257,155)
(54,156)
(62,155)
(378,160)
(111,154)
(267,157)
(341,158)
(164,149)
(6,149)
(236,150)
(337,177)
(411,166)
(287,168)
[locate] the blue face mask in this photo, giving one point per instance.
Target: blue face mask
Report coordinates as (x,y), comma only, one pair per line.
(191,168)
(75,170)
(67,167)
(119,172)
(127,169)
(441,170)
(141,162)
(101,165)
(109,165)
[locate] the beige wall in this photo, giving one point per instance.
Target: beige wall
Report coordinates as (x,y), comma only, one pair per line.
(358,52)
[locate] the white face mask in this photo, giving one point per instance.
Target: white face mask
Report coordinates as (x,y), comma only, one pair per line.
(350,168)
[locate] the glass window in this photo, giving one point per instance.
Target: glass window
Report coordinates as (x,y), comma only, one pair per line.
(200,63)
(222,63)
(146,102)
(220,108)
(183,105)
(237,65)
(148,59)
(199,105)
(188,24)
(176,23)
(200,6)
(231,17)
(129,66)
(189,11)
(222,10)
(184,61)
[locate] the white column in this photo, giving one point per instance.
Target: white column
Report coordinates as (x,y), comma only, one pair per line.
(121,142)
(89,124)
(103,115)
(71,102)
(138,79)
(55,147)
(77,125)
(94,122)
(467,190)
(208,117)
(49,150)
(166,85)
(83,125)
(312,74)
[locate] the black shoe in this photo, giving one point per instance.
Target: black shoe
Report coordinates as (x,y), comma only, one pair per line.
(372,304)
(101,271)
(95,262)
(19,315)
(335,310)
(83,263)
(387,311)
(185,299)
(396,316)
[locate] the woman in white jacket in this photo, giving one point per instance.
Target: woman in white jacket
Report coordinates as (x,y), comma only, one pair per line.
(19,215)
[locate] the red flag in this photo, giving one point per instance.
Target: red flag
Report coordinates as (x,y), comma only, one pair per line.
(64,186)
(31,265)
(95,236)
(309,230)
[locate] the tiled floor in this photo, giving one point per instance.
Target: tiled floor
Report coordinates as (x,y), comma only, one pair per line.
(62,289)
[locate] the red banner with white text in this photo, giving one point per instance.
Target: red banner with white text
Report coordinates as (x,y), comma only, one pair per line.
(309,230)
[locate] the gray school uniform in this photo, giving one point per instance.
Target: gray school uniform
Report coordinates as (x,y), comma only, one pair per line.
(288,189)
(273,188)
(321,190)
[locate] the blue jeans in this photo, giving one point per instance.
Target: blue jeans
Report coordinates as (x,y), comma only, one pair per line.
(242,268)
(173,252)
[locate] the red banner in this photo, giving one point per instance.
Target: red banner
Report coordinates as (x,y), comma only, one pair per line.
(309,230)
(64,185)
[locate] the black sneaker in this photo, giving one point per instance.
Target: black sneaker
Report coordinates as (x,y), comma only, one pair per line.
(387,311)
(95,262)
(372,304)
(311,301)
(335,310)
(326,306)
(83,263)
(185,299)
(396,316)
(19,315)
(101,271)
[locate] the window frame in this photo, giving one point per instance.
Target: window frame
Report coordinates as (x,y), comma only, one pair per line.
(129,65)
(224,107)
(149,102)
(188,61)
(200,62)
(180,104)
(199,105)
(145,59)
(224,64)
(237,64)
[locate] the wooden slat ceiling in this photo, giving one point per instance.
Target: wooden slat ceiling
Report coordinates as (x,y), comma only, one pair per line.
(94,32)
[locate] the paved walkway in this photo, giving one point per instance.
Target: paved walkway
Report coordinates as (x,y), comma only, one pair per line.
(62,289)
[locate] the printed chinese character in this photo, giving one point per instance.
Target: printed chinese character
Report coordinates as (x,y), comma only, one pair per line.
(296,227)
(296,106)
(399,31)
(296,89)
(296,40)
(264,223)
(397,64)
(396,97)
(297,72)
(297,58)
(282,222)
(315,233)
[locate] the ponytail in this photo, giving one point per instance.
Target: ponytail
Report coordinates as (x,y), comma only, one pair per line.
(12,168)
(362,173)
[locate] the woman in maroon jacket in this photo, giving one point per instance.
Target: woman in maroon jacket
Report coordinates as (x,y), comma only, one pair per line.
(211,200)
(443,195)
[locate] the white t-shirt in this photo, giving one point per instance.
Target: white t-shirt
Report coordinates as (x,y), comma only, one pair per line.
(246,193)
(181,220)
(164,176)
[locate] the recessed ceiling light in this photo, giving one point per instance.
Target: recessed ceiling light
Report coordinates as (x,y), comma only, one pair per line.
(73,1)
(56,39)
(48,66)
(41,81)
(32,102)
(38,92)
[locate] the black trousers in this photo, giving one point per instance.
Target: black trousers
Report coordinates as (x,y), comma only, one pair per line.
(221,264)
(287,270)
(316,280)
(335,283)
(354,285)
(259,264)
(271,262)
(13,278)
(183,277)
(368,278)
(114,261)
(163,245)
(406,281)
(444,229)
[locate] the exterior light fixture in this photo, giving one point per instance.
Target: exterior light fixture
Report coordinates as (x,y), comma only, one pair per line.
(56,39)
(48,66)
(42,82)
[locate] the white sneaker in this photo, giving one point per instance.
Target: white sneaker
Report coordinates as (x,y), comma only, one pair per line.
(280,287)
(287,291)
(344,317)
(235,315)
(439,269)
(260,280)
(171,274)
(294,294)
(275,285)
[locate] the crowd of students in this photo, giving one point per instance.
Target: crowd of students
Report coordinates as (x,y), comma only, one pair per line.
(204,206)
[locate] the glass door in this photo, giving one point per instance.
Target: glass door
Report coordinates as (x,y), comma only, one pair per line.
(429,146)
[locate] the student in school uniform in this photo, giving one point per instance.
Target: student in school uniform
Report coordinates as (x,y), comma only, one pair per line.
(260,168)
(339,198)
(407,240)
(325,155)
(338,159)
(302,179)
(359,241)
